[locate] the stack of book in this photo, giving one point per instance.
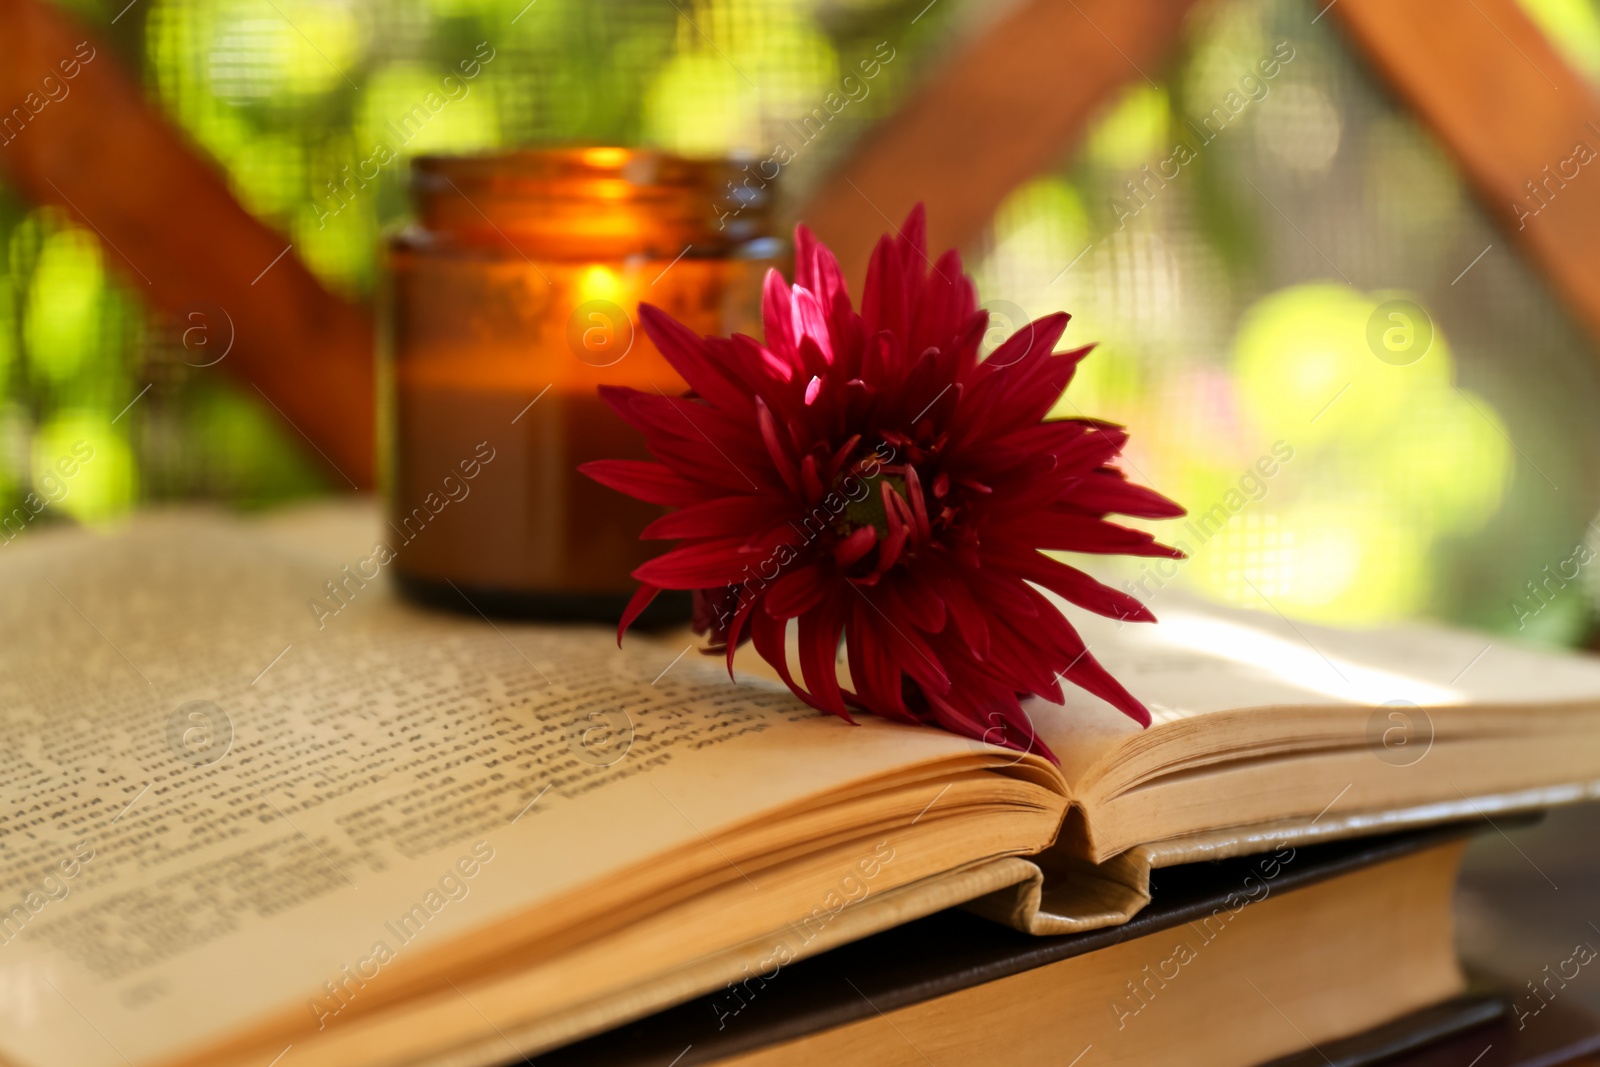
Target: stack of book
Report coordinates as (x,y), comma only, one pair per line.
(261,812)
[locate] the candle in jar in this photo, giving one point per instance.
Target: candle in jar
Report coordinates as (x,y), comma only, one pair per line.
(508,303)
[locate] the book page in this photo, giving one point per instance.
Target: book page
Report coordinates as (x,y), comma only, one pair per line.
(240,772)
(1202,659)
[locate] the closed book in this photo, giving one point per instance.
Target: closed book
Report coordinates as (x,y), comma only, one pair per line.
(1343,949)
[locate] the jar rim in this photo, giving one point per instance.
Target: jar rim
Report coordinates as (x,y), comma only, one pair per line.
(596,197)
(632,173)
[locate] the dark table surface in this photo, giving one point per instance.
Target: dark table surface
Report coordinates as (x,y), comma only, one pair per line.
(1529,898)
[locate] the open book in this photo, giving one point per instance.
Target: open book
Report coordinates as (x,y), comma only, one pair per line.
(258,808)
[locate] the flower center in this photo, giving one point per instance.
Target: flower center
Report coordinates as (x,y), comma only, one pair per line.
(868,510)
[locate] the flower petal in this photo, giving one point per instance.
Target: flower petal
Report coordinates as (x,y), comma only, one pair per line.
(685,350)
(696,566)
(1086,673)
(1109,492)
(650,482)
(769,637)
(726,516)
(819,651)
(1082,533)
(777,318)
(853,547)
(640,600)
(795,593)
(872,671)
(1072,585)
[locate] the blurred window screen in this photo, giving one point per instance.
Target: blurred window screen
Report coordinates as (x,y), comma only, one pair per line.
(1371,405)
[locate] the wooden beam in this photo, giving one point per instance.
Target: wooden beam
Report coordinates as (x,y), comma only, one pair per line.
(78,133)
(1004,109)
(1513,115)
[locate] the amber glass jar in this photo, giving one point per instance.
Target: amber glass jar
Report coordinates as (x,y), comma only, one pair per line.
(508,301)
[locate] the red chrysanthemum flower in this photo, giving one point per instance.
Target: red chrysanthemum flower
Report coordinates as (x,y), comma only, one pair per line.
(867,475)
